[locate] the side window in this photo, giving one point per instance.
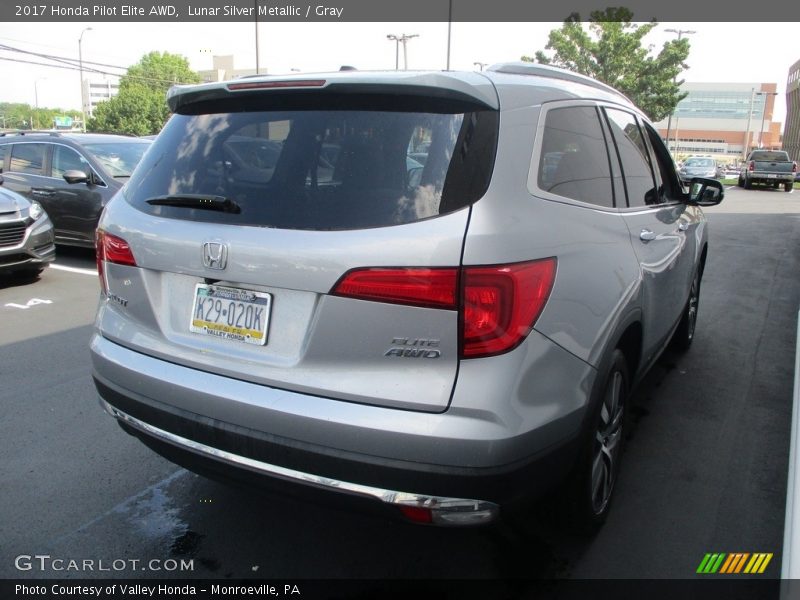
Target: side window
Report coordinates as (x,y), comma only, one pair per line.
(574,162)
(28,158)
(3,154)
(670,188)
(66,159)
(633,156)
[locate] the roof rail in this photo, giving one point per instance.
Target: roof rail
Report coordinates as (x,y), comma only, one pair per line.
(539,70)
(30,132)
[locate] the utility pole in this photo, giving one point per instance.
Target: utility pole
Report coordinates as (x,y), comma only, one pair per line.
(747,131)
(80,67)
(449,26)
(680,33)
(255,12)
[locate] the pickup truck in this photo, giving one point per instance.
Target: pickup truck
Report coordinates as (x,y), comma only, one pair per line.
(770,167)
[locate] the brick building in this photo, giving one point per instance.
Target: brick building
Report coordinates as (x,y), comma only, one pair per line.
(791,135)
(713,119)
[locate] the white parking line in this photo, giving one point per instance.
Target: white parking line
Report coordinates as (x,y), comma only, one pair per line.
(74,269)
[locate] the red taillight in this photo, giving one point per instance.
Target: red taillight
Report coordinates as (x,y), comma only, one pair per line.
(432,288)
(498,305)
(113,249)
(751,166)
(501,304)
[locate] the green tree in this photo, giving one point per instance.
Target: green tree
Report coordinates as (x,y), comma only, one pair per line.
(14,115)
(140,107)
(611,51)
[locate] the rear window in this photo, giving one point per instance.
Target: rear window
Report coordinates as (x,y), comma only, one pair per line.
(318,169)
(699,162)
(766,155)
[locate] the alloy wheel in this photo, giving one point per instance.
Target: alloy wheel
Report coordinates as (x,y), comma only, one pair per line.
(608,438)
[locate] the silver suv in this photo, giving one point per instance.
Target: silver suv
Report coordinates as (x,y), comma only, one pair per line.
(431,291)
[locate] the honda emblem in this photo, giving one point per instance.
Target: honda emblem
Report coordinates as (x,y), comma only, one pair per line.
(215,255)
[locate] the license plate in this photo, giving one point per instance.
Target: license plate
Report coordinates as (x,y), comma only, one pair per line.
(231,313)
(772,176)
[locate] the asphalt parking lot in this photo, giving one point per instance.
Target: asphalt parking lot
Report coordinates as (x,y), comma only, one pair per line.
(704,468)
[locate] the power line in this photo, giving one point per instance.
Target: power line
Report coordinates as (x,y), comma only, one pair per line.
(54,57)
(74,67)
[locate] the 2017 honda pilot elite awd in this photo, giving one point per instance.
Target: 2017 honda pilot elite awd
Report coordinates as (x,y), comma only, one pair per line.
(287,296)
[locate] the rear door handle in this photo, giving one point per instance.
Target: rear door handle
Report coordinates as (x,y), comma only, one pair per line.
(646,235)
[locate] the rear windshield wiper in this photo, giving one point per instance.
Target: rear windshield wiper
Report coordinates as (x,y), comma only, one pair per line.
(201,201)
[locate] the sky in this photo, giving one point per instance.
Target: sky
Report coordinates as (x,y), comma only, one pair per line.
(718,50)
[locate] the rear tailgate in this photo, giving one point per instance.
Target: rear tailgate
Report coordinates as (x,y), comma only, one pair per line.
(319,193)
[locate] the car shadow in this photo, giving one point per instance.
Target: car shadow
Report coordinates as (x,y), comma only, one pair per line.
(18,279)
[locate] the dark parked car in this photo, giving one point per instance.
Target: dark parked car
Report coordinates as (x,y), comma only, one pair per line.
(72,175)
(26,234)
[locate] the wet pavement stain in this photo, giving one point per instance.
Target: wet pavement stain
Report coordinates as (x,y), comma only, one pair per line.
(186,544)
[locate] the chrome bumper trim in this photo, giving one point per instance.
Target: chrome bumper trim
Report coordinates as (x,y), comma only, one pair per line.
(444,511)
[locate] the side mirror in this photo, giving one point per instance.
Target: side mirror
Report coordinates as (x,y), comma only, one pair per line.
(75,176)
(705,192)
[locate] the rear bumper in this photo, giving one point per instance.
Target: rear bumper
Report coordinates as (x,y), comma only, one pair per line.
(460,494)
(771,177)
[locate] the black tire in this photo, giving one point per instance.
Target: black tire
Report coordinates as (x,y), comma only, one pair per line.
(591,485)
(684,335)
(788,187)
(748,184)
(740,181)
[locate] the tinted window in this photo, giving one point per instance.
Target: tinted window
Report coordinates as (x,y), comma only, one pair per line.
(767,155)
(118,158)
(319,169)
(66,159)
(574,161)
(633,156)
(699,162)
(28,158)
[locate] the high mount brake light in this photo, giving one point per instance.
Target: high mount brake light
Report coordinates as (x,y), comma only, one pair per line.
(265,85)
(498,305)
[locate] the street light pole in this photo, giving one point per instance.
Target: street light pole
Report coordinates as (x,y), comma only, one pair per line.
(36,98)
(480,65)
(680,33)
(405,39)
(80,67)
(402,38)
(396,50)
